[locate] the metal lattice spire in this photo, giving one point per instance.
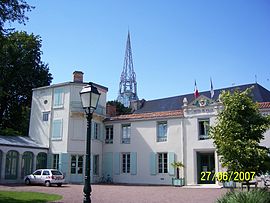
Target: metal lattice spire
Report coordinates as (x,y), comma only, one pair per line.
(128,84)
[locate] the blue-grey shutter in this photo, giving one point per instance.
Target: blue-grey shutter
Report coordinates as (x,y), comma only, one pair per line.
(49,160)
(101,131)
(92,129)
(107,164)
(153,163)
(116,163)
(63,163)
(133,164)
(171,160)
(91,165)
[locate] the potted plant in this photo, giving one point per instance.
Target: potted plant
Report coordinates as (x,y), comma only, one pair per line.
(177,181)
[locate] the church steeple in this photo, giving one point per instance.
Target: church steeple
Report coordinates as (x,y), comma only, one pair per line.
(128,84)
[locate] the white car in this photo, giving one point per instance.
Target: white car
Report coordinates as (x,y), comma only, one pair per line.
(45,176)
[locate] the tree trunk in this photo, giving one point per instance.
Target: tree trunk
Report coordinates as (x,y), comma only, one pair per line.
(177,173)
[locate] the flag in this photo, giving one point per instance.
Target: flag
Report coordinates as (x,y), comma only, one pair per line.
(196,92)
(212,92)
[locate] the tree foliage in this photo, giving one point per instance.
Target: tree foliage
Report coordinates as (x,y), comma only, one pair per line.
(120,108)
(239,130)
(13,10)
(21,70)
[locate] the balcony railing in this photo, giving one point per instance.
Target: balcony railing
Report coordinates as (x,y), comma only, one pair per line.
(203,137)
(76,106)
(107,141)
(125,140)
(161,139)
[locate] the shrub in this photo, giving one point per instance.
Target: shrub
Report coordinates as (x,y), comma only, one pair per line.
(257,195)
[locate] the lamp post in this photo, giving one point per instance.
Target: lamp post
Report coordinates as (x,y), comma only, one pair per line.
(89,97)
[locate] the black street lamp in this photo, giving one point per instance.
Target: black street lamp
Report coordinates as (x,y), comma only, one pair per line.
(89,97)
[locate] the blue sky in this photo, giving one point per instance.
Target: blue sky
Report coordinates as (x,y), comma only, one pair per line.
(173,42)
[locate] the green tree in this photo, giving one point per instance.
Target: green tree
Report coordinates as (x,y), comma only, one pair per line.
(13,10)
(239,130)
(21,70)
(120,108)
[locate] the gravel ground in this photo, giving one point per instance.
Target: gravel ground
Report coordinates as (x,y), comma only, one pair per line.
(126,193)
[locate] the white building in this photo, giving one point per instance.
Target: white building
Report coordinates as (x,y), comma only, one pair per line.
(167,130)
(137,148)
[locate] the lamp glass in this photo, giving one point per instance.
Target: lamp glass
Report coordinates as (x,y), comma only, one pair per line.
(89,97)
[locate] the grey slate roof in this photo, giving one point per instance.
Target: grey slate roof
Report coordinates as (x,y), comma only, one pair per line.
(19,141)
(259,94)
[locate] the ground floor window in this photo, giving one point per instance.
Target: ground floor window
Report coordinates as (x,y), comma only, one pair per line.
(162,162)
(76,166)
(27,164)
(96,164)
(126,163)
(0,162)
(56,161)
(12,159)
(41,160)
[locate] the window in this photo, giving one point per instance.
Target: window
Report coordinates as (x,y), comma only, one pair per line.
(96,164)
(126,163)
(80,165)
(126,134)
(46,173)
(96,130)
(56,161)
(162,131)
(76,164)
(37,173)
(162,162)
(41,160)
(73,164)
(57,127)
(109,135)
(27,164)
(12,159)
(45,116)
(203,129)
(58,99)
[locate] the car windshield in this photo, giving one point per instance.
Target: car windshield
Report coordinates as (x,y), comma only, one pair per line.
(56,173)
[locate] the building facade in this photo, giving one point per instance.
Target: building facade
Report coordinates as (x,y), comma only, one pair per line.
(138,148)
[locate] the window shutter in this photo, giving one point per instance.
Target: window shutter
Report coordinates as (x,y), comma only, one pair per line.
(92,129)
(133,163)
(63,163)
(101,132)
(57,129)
(153,162)
(107,165)
(91,164)
(171,160)
(49,160)
(98,131)
(116,163)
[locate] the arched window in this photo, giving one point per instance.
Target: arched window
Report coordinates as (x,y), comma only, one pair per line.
(41,160)
(12,159)
(27,164)
(1,155)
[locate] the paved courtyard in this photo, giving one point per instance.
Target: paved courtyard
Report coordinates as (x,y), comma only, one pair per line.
(126,193)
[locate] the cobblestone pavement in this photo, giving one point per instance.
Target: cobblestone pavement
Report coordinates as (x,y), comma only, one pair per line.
(126,193)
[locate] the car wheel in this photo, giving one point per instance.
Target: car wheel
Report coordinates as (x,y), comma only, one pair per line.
(59,184)
(47,183)
(27,182)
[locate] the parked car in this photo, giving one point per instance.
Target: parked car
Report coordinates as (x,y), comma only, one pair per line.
(45,176)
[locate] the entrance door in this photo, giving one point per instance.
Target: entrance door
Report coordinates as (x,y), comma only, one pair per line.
(205,164)
(76,169)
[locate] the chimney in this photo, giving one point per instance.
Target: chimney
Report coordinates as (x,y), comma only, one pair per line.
(78,76)
(110,110)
